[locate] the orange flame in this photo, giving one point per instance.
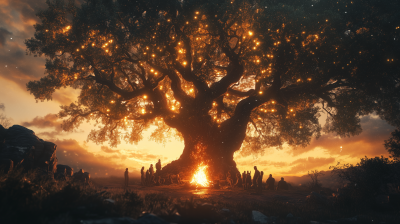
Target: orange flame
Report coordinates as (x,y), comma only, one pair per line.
(200,178)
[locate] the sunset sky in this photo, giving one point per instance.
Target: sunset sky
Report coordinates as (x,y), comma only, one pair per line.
(17,18)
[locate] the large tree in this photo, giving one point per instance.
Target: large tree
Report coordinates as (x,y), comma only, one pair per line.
(225,74)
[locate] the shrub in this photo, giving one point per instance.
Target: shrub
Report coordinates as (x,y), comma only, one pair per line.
(369,178)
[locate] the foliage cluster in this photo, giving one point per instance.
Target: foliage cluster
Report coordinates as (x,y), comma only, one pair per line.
(368,179)
(221,72)
(40,199)
(393,144)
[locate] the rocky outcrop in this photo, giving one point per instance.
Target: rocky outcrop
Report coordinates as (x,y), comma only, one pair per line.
(64,172)
(65,169)
(21,146)
(81,176)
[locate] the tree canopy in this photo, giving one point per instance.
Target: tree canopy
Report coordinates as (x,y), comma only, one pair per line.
(221,72)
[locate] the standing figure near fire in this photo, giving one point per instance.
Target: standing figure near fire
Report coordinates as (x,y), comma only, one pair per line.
(255,178)
(260,184)
(270,183)
(244,179)
(147,177)
(248,180)
(142,176)
(229,178)
(178,179)
(282,185)
(158,181)
(238,180)
(158,167)
(126,178)
(151,170)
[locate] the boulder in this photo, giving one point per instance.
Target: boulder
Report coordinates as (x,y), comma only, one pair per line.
(6,165)
(2,134)
(23,147)
(149,218)
(65,169)
(81,176)
(119,220)
(258,218)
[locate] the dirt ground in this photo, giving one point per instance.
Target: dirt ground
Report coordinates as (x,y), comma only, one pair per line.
(225,193)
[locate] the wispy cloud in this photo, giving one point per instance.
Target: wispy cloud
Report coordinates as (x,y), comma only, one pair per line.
(48,121)
(2,107)
(368,143)
(70,152)
(107,149)
(310,163)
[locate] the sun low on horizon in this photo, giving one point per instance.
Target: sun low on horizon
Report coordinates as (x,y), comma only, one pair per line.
(102,160)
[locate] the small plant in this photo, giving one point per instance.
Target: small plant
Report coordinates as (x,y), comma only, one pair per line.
(314,174)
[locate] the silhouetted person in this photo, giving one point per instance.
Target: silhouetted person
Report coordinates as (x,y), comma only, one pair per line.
(126,178)
(148,177)
(239,182)
(259,180)
(158,167)
(229,179)
(178,179)
(270,183)
(170,179)
(151,170)
(282,185)
(143,179)
(248,180)
(244,178)
(158,181)
(255,178)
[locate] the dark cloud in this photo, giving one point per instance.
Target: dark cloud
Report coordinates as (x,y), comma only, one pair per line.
(2,107)
(28,8)
(3,36)
(368,143)
(308,164)
(17,18)
(70,152)
(48,121)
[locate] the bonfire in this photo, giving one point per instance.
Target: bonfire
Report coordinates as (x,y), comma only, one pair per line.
(200,178)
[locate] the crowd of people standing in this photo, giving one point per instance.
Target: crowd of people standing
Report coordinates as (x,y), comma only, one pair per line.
(245,181)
